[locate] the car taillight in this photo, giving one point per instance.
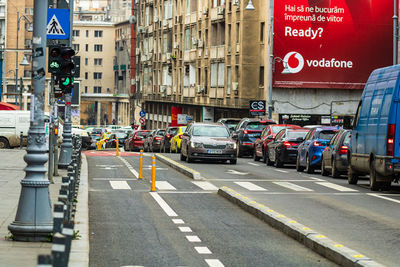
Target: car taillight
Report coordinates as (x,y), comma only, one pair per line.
(168,136)
(317,143)
(246,132)
(158,138)
(289,144)
(180,136)
(343,150)
(390,139)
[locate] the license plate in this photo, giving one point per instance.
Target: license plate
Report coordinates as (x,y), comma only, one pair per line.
(214,151)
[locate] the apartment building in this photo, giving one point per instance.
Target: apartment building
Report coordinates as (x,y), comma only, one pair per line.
(15,24)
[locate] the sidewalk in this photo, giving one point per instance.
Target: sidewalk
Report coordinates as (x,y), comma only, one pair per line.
(16,254)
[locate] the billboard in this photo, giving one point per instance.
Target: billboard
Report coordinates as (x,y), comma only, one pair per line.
(331,43)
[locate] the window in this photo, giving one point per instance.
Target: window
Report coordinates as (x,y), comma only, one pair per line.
(228,82)
(75,33)
(187,38)
(97,75)
(98,61)
(86,61)
(87,33)
(97,89)
(75,47)
(262,29)
(86,75)
(98,48)
(85,89)
(98,33)
(261,78)
(86,47)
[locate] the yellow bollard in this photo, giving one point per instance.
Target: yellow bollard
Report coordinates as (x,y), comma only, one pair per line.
(141,165)
(153,174)
(98,144)
(117,147)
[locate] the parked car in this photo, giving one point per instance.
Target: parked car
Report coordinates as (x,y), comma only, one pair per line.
(176,140)
(230,122)
(247,132)
(112,140)
(310,150)
(148,140)
(267,135)
(283,149)
(375,140)
(208,141)
(135,140)
(166,140)
(12,123)
(335,156)
(153,140)
(86,138)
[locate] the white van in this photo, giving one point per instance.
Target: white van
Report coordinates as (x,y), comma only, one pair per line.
(12,123)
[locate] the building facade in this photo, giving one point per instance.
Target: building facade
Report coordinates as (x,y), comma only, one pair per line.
(213,57)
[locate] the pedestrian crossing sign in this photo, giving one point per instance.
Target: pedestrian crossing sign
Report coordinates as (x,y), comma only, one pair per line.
(57,23)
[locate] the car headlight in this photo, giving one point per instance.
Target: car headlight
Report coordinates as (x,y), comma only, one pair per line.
(196,145)
(231,145)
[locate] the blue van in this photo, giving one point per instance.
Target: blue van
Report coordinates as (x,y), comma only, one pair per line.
(376,130)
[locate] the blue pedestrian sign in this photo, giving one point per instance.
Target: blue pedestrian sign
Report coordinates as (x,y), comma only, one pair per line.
(57,23)
(142,113)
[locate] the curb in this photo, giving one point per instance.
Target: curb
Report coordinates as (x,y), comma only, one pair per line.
(179,167)
(80,248)
(317,242)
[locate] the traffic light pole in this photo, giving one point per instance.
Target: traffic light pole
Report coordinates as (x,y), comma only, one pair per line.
(33,221)
(66,146)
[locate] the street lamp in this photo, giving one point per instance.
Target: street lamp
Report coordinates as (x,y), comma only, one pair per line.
(24,61)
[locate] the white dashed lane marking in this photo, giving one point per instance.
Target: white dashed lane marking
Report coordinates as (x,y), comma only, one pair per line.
(166,208)
(178,221)
(206,185)
(185,229)
(250,186)
(129,166)
(193,238)
(252,163)
(164,185)
(337,187)
(119,185)
(202,250)
(281,171)
(214,263)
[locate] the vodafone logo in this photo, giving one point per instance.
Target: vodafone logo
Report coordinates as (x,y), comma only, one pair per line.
(293,62)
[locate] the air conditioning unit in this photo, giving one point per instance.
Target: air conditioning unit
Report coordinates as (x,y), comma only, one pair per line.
(156,19)
(235,86)
(236,2)
(150,56)
(205,11)
(176,45)
(165,23)
(137,51)
(194,41)
(220,10)
(163,89)
(200,43)
(169,56)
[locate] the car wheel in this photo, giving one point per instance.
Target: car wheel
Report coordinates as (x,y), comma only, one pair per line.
(267,160)
(264,156)
(308,169)
(238,153)
(232,161)
(170,149)
(373,184)
(324,171)
(255,157)
(183,158)
(4,143)
(352,176)
(278,162)
(335,171)
(299,168)
(188,158)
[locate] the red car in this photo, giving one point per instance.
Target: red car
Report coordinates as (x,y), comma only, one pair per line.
(267,135)
(135,140)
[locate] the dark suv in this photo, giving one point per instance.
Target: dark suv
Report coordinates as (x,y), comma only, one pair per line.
(246,133)
(166,140)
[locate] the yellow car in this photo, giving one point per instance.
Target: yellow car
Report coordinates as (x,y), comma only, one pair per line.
(176,140)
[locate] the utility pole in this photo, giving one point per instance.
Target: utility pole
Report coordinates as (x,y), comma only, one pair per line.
(33,221)
(66,146)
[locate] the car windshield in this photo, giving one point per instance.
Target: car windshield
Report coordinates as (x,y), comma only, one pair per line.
(183,129)
(162,132)
(172,130)
(210,131)
(255,126)
(97,131)
(295,134)
(121,135)
(142,134)
(276,129)
(326,134)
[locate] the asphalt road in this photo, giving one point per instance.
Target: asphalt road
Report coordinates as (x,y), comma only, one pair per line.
(184,223)
(352,215)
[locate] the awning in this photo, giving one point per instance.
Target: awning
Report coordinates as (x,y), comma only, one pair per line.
(7,106)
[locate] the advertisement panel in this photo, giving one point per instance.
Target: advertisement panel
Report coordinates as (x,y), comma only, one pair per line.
(331,43)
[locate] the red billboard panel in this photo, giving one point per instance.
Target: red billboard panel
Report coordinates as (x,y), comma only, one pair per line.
(331,43)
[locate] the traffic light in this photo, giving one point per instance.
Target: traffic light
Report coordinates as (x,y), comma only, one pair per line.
(65,78)
(54,62)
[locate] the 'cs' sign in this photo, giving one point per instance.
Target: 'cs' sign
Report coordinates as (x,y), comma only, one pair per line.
(257,107)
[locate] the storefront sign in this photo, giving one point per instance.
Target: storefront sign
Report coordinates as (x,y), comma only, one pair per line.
(257,107)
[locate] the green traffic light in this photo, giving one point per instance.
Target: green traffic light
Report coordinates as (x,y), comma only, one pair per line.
(66,82)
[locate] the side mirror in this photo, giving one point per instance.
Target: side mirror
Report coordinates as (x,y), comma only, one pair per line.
(185,134)
(235,135)
(270,137)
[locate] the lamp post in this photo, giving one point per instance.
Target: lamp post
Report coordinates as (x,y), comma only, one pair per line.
(24,61)
(395,35)
(33,221)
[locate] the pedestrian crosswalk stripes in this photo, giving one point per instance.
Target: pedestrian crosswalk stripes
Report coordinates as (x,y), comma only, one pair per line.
(119,185)
(205,185)
(164,185)
(337,187)
(251,186)
(293,186)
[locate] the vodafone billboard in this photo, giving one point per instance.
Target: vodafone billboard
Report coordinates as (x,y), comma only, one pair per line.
(331,43)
